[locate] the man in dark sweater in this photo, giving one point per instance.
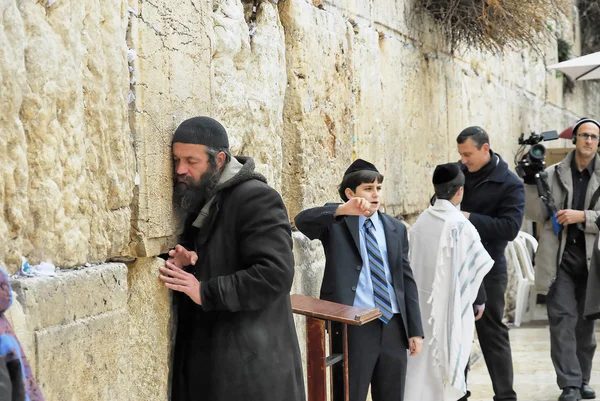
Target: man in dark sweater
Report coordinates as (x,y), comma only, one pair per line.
(494,203)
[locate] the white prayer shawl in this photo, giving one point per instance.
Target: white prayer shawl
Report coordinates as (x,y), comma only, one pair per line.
(448,263)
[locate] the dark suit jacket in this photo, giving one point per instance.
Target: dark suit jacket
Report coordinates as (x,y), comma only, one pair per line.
(340,239)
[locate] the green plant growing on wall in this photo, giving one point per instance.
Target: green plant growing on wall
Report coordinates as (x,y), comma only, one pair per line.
(563,50)
(495,25)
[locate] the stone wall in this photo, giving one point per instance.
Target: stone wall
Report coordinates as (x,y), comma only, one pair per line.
(92,91)
(68,164)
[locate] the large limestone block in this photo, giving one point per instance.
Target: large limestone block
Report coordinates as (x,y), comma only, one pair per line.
(149,339)
(358,11)
(524,70)
(371,135)
(72,295)
(309,267)
(68,167)
(171,81)
(249,81)
(319,104)
(415,115)
(74,330)
(86,360)
(14,178)
(393,15)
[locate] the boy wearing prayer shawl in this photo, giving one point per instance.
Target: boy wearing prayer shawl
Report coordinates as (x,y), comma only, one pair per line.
(449,263)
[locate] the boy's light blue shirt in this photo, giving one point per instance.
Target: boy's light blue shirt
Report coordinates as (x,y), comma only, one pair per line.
(364,289)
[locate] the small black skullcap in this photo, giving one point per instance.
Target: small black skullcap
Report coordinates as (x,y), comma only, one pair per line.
(470,131)
(202,131)
(445,173)
(360,165)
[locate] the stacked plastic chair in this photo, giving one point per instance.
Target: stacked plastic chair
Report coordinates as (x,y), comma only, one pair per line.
(520,253)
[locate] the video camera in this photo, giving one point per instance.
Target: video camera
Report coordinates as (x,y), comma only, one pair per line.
(530,166)
(532,162)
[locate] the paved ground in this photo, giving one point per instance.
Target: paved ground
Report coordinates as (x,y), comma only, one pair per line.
(535,379)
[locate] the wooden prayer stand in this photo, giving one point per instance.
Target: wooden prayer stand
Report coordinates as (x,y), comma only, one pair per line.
(336,317)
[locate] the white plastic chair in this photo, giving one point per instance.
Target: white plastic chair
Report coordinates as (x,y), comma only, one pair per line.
(530,242)
(528,273)
(523,284)
(532,247)
(524,258)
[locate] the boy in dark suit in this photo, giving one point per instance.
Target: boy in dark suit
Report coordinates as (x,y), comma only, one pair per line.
(367,266)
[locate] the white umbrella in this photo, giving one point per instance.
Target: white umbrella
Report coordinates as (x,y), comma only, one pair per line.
(581,68)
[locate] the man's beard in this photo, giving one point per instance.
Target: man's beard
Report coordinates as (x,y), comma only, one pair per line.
(189,196)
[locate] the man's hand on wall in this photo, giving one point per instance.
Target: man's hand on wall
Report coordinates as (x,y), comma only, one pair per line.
(177,279)
(181,257)
(570,216)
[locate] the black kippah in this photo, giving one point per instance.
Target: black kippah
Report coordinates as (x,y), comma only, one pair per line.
(469,131)
(445,173)
(360,165)
(447,179)
(202,131)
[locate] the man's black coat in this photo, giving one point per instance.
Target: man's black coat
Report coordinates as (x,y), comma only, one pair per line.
(340,239)
(497,206)
(241,344)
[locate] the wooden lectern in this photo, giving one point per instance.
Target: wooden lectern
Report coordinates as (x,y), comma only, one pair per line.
(336,317)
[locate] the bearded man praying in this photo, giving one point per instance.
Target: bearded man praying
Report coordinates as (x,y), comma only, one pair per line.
(231,275)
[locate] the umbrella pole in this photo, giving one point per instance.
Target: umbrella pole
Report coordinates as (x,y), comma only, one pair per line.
(587,72)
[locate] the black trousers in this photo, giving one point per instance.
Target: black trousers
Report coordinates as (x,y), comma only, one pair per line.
(12,387)
(572,339)
(493,338)
(377,354)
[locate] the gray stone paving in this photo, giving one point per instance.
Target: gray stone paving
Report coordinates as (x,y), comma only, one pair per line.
(535,379)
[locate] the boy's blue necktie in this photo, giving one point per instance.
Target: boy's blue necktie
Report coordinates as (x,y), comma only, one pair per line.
(380,283)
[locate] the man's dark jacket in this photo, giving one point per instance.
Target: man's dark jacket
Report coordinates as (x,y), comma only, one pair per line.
(497,205)
(241,344)
(592,295)
(340,239)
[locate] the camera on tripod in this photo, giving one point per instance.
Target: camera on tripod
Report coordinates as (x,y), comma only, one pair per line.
(532,162)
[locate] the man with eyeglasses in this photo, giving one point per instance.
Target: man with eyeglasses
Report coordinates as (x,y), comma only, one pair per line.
(562,261)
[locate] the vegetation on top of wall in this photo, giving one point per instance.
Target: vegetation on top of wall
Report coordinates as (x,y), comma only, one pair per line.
(496,25)
(563,50)
(589,18)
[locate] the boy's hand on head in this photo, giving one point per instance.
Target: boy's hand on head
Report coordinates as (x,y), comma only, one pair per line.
(354,207)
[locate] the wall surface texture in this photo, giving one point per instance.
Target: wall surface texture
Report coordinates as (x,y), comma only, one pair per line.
(91,91)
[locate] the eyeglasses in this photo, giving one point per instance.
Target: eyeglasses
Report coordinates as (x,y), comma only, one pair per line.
(585,137)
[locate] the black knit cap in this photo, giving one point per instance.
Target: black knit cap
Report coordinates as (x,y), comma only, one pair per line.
(360,165)
(202,131)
